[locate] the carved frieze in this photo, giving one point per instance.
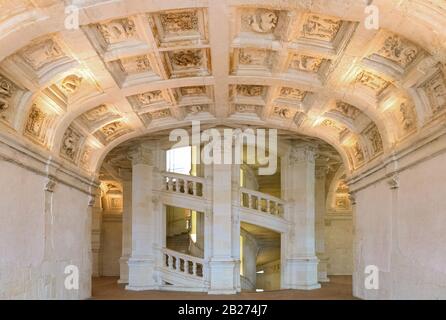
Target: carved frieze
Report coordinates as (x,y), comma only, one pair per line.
(97,114)
(321,27)
(246,108)
(254,57)
(160,114)
(195,109)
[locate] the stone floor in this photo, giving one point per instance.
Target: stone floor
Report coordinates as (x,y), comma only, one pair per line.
(339,288)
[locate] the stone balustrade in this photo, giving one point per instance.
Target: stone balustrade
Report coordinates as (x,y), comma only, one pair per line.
(181,183)
(183,263)
(261,202)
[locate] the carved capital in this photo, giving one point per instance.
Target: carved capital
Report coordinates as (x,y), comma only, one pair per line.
(301,153)
(141,155)
(50,184)
(394,181)
(352,198)
(321,171)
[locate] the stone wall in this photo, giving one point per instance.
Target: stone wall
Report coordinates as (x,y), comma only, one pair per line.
(339,245)
(111,243)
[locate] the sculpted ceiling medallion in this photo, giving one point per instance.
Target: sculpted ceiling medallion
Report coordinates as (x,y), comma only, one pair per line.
(372,81)
(320,27)
(118,30)
(399,50)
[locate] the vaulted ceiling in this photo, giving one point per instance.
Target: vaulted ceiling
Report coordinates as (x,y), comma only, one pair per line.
(137,67)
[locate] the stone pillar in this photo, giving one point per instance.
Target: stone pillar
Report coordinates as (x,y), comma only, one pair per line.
(320,207)
(222,263)
(142,260)
(126,231)
(96,227)
(298,185)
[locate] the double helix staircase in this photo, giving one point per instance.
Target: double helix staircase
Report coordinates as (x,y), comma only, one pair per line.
(181,271)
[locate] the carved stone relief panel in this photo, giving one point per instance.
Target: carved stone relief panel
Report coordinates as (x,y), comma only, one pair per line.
(71,84)
(7,92)
(71,140)
(374,138)
(118,30)
(292,93)
(435,90)
(372,81)
(135,65)
(97,115)
(188,62)
(255,57)
(260,21)
(41,53)
(320,27)
(282,112)
(112,131)
(38,123)
(247,108)
(346,110)
(305,63)
(358,153)
(180,27)
(86,156)
(159,114)
(407,116)
(328,123)
(196,109)
(399,50)
(193,91)
(250,90)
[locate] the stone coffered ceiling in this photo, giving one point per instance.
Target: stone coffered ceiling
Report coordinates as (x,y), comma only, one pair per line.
(134,68)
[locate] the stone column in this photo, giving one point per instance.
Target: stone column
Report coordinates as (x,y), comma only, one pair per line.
(142,260)
(222,263)
(96,227)
(298,185)
(321,173)
(126,230)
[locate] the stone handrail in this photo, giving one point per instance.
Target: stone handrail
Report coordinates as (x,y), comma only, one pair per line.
(261,202)
(183,183)
(183,263)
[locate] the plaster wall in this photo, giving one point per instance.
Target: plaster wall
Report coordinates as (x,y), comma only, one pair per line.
(41,236)
(401,232)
